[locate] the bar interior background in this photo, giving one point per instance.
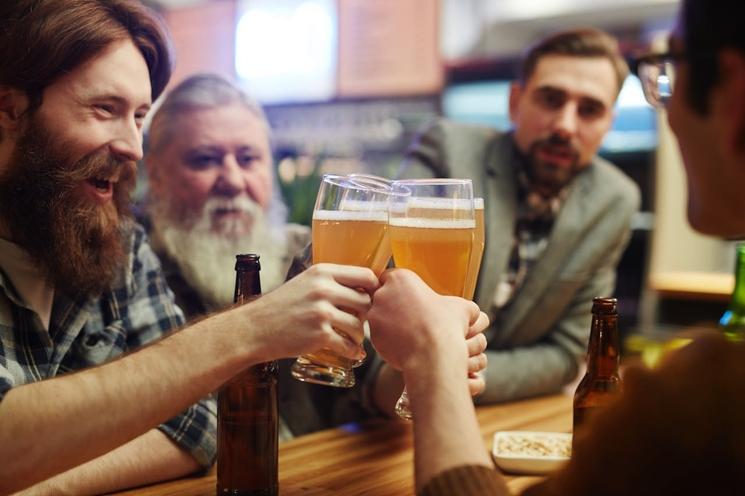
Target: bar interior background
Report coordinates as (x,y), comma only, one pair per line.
(346,84)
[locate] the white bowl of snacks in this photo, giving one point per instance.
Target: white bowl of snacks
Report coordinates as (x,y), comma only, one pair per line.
(531,452)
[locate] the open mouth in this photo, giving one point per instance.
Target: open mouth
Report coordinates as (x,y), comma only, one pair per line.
(99,188)
(562,155)
(102,185)
(227,211)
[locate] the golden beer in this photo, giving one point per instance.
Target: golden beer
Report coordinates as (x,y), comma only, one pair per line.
(437,250)
(474,264)
(350,227)
(351,238)
(432,230)
(328,358)
(348,237)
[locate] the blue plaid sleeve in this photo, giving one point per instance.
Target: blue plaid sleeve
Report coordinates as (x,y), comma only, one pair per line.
(152,313)
(195,430)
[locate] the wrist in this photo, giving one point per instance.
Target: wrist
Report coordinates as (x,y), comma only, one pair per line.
(439,354)
(435,368)
(232,338)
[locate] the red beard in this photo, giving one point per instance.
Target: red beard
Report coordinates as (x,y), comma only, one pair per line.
(77,243)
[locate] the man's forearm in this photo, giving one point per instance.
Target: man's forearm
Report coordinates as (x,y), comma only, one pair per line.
(50,426)
(149,458)
(446,432)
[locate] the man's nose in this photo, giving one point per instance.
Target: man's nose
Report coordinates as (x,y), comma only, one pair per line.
(566,121)
(230,181)
(127,144)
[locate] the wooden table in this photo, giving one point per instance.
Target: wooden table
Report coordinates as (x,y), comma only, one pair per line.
(376,458)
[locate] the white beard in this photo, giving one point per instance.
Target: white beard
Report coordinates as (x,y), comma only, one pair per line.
(205,254)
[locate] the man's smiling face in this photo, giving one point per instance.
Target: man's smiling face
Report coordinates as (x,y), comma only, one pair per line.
(68,180)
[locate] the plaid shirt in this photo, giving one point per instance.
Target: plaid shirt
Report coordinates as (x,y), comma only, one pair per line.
(535,219)
(86,332)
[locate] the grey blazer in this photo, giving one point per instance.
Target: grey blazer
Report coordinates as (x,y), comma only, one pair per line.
(536,342)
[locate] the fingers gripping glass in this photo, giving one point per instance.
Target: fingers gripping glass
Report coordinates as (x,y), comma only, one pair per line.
(350,227)
(432,230)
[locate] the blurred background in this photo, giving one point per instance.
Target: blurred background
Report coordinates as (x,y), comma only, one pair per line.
(346,84)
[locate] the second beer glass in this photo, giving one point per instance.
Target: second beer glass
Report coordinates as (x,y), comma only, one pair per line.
(350,227)
(474,263)
(432,233)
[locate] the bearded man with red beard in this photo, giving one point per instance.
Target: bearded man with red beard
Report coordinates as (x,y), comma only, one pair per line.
(557,216)
(95,393)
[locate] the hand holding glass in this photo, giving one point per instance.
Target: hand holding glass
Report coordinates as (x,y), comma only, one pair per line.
(432,233)
(350,227)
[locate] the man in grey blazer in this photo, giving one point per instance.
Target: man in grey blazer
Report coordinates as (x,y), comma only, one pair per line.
(557,216)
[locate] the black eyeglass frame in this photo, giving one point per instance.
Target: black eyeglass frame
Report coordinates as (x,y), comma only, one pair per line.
(656,58)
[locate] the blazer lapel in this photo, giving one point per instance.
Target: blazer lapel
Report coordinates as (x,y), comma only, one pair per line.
(569,224)
(500,199)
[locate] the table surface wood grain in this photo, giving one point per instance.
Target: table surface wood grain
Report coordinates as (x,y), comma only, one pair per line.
(376,458)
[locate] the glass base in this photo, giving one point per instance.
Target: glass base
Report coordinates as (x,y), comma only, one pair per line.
(403,409)
(326,375)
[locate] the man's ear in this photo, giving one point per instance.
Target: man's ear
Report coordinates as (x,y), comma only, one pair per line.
(13,104)
(732,87)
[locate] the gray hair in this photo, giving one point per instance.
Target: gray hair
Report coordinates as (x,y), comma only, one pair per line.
(206,91)
(201,91)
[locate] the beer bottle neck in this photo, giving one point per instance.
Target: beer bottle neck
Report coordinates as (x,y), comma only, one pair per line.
(737,304)
(603,350)
(247,285)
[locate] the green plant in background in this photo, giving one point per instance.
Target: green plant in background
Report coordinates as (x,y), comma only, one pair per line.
(299,188)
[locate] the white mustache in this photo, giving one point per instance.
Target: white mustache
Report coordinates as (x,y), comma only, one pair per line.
(241,204)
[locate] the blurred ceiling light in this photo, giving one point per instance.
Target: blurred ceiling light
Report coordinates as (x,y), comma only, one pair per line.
(286,49)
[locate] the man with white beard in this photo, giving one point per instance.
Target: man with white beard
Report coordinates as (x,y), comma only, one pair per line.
(212,193)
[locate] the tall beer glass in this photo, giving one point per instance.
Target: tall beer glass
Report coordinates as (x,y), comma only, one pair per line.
(432,233)
(477,251)
(350,227)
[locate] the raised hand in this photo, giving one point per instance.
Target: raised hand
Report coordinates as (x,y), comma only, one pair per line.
(323,307)
(412,327)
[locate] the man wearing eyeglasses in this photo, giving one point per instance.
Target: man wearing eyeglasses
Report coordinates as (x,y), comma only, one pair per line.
(678,429)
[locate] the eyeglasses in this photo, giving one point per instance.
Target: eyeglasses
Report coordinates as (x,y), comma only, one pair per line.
(657,75)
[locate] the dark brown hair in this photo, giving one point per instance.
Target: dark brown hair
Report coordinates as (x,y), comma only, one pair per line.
(40,40)
(584,42)
(708,27)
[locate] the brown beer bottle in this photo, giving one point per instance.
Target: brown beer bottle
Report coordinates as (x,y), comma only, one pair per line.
(601,381)
(247,418)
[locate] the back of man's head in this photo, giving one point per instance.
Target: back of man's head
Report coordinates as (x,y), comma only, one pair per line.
(708,26)
(583,42)
(40,40)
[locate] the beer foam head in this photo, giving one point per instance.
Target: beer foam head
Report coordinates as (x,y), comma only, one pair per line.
(478,204)
(363,205)
(355,215)
(434,203)
(422,223)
